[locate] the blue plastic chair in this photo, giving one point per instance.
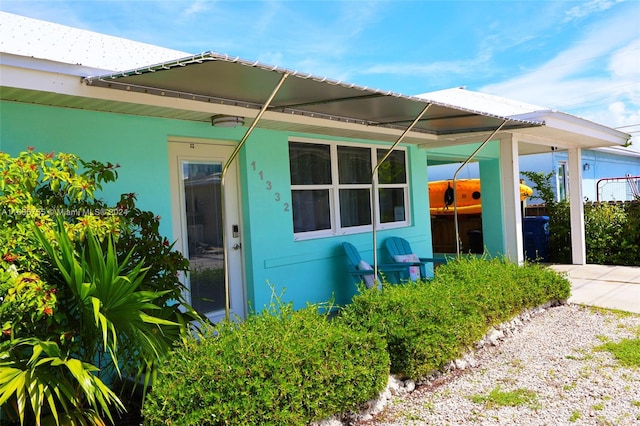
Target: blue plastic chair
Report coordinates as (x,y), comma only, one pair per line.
(397,246)
(367,275)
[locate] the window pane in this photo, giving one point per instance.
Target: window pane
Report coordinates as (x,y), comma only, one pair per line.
(393,170)
(355,207)
(354,164)
(392,205)
(310,163)
(311,210)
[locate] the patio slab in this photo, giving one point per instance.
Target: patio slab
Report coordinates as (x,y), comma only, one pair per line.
(605,286)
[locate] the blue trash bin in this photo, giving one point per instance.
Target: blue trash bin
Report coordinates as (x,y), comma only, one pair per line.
(536,238)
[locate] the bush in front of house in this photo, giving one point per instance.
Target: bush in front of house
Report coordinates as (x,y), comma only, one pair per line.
(422,329)
(429,323)
(281,367)
(89,292)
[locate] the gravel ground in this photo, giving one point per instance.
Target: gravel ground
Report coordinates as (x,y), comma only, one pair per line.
(552,355)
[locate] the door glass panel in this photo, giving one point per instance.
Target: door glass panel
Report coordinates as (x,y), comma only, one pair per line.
(562,181)
(201,185)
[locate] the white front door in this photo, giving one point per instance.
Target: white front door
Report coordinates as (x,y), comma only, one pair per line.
(195,171)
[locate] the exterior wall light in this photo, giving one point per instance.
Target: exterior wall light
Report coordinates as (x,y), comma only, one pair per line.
(586,166)
(227,121)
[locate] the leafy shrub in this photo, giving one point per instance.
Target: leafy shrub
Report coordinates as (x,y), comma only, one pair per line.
(422,330)
(559,217)
(605,224)
(427,324)
(612,231)
(281,367)
(89,291)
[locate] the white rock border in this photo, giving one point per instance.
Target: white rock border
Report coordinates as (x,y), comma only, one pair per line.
(396,386)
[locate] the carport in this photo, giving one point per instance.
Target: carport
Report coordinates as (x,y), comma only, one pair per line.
(561,131)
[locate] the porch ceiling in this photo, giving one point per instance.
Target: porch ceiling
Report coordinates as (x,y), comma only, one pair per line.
(305,102)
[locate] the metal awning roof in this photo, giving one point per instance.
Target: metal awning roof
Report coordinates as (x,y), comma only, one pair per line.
(214,78)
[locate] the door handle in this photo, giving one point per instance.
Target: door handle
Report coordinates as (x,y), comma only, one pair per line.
(236,246)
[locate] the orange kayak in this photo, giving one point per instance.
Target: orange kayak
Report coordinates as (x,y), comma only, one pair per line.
(468,197)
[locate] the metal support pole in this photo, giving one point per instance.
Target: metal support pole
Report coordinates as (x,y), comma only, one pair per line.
(234,154)
(374,187)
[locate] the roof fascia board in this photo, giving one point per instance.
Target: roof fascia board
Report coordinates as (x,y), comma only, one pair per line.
(570,123)
(71,85)
(47,65)
(619,151)
(516,135)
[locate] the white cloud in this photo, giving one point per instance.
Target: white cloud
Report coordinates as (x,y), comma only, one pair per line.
(195,8)
(588,8)
(413,69)
(625,62)
(596,78)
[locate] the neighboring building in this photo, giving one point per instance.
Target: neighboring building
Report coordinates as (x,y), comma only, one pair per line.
(608,174)
(259,168)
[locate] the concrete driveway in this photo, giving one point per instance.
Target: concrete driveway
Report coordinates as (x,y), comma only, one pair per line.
(604,286)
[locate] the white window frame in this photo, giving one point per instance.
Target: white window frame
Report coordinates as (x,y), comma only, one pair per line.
(335,187)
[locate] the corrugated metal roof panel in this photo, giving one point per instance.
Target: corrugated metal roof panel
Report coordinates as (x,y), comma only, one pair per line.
(212,77)
(484,102)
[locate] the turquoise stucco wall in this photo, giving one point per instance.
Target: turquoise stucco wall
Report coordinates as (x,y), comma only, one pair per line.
(312,270)
(138,144)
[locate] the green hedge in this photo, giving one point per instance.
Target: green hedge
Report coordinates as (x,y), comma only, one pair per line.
(286,367)
(280,367)
(428,324)
(612,233)
(612,230)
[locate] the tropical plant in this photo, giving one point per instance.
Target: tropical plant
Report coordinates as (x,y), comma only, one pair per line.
(90,292)
(108,325)
(39,380)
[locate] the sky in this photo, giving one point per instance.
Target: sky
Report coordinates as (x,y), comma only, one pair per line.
(579,57)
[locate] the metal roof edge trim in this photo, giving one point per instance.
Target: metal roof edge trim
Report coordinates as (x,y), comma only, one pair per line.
(551,116)
(214,56)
